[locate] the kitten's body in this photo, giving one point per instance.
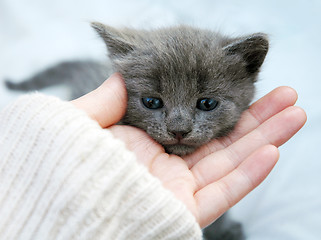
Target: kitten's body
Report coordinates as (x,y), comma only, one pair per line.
(185,86)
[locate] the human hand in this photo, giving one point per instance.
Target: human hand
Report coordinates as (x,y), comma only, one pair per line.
(222,172)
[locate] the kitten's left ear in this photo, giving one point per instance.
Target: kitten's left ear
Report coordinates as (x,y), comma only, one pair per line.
(252,49)
(117,42)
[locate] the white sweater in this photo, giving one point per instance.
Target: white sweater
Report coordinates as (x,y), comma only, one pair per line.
(63,177)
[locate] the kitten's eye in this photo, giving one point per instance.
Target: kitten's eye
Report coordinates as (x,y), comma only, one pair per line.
(152,103)
(206,104)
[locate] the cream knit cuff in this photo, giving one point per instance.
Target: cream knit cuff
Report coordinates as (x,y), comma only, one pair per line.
(63,177)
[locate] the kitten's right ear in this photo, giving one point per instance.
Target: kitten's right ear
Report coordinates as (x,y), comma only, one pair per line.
(117,42)
(252,49)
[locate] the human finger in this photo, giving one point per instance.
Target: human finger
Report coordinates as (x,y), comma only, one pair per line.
(216,198)
(106,104)
(275,131)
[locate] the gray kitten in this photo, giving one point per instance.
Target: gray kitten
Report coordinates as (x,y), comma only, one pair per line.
(185,86)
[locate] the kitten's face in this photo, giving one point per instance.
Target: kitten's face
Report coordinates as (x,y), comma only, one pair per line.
(185,86)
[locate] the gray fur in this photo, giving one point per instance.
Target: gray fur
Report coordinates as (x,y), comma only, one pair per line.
(224,228)
(178,65)
(80,76)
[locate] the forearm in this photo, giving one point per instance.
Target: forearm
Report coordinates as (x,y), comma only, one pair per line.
(63,177)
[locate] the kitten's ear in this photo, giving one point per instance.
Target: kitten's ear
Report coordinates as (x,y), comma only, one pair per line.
(117,42)
(252,49)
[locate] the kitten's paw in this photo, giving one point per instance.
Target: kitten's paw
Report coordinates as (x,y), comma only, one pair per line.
(224,229)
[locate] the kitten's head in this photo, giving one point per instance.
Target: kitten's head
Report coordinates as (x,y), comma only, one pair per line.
(185,86)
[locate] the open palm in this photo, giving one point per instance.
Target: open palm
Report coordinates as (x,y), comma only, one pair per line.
(222,172)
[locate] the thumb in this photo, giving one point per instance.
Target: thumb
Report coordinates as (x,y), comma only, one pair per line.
(106,104)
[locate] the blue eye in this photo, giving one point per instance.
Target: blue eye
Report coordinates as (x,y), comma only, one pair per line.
(206,104)
(152,103)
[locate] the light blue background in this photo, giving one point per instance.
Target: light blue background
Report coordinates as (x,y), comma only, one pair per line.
(287,206)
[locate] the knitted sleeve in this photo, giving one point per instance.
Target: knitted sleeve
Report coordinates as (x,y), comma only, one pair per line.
(63,177)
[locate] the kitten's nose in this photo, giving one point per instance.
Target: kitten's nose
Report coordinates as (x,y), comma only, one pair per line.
(179,123)
(179,134)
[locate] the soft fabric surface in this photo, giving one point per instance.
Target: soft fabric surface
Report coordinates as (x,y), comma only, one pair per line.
(63,177)
(287,206)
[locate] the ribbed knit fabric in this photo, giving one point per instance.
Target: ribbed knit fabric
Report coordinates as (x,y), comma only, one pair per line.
(63,177)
